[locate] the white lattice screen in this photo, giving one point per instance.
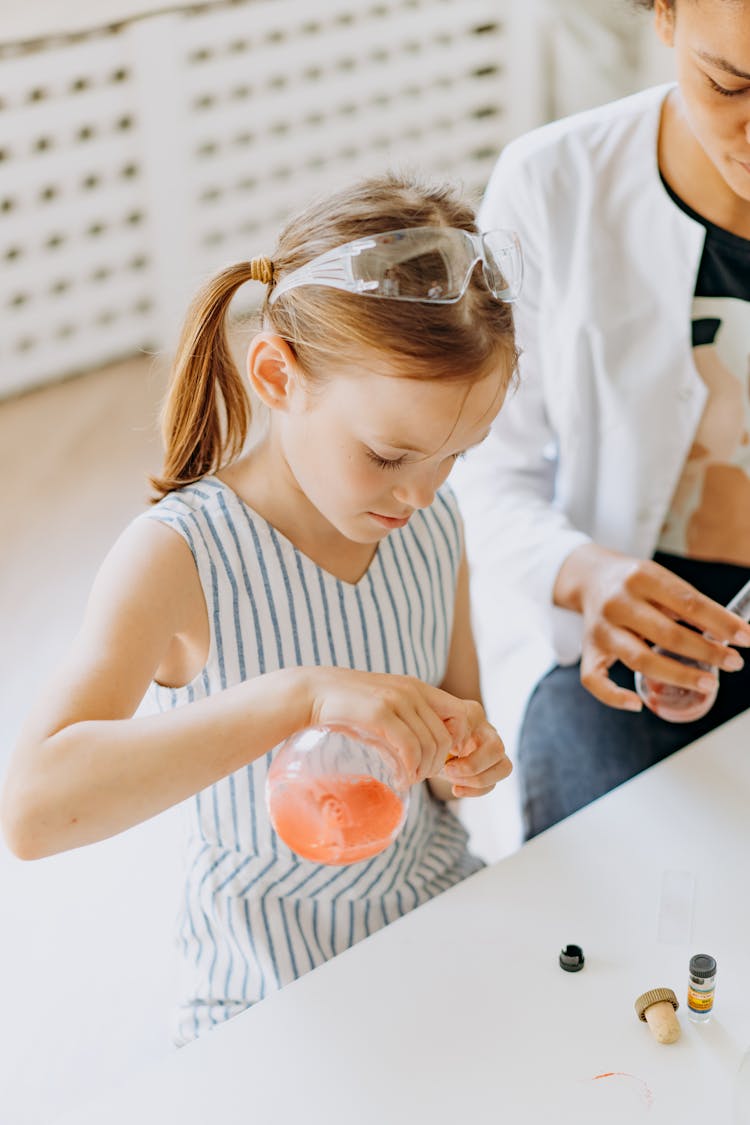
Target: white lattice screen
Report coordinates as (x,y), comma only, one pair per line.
(135,160)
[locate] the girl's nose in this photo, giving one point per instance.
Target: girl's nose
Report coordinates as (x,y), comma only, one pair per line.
(417,493)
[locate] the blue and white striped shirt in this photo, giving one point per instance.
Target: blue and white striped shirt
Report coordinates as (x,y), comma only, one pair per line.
(255,916)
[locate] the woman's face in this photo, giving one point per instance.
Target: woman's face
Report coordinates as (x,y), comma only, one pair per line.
(711,40)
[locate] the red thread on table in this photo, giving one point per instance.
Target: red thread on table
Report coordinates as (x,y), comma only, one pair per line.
(648,1095)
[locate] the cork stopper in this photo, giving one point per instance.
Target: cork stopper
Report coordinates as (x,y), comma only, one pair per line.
(653,997)
(657,1008)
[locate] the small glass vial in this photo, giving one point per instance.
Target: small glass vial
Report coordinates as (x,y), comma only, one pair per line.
(686,705)
(701,986)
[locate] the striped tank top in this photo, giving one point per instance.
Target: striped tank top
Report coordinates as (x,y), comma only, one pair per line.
(254,915)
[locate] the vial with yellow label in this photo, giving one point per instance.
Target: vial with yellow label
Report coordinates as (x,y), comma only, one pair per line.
(701,986)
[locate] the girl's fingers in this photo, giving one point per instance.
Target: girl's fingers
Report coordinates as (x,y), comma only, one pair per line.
(451,710)
(486,779)
(483,782)
(426,733)
(442,740)
(485,765)
(406,747)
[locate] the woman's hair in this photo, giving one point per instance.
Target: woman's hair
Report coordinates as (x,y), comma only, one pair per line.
(207,411)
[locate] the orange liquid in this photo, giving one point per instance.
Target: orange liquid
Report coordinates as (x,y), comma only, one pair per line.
(335,820)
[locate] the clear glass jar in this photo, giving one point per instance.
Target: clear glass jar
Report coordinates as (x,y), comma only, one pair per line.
(335,796)
(674,703)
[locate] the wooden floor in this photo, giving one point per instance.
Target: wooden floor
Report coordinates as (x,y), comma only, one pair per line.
(73,461)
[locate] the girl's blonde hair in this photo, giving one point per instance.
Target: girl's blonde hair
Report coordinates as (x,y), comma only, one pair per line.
(207,411)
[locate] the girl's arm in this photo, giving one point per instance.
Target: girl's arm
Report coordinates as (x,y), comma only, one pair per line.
(481,770)
(84,769)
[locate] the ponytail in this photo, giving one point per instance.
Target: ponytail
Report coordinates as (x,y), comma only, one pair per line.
(207,411)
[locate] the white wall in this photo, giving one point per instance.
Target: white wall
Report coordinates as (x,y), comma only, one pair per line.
(140,157)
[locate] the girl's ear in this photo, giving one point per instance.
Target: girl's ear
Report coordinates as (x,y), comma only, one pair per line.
(272,370)
(664,21)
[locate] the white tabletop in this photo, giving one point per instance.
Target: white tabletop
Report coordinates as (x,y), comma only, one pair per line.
(459,1012)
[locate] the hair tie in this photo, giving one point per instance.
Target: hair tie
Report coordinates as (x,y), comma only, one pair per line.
(261,269)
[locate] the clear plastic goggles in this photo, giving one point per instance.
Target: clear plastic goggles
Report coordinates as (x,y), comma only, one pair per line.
(427,264)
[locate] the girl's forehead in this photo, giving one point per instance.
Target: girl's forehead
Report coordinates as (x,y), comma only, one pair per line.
(420,413)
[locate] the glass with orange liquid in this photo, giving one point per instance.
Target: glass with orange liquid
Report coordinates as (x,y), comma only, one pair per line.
(335,796)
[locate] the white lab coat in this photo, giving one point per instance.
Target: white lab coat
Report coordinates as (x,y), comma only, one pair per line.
(592,444)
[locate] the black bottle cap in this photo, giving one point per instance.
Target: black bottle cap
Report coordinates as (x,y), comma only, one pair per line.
(702,965)
(571,958)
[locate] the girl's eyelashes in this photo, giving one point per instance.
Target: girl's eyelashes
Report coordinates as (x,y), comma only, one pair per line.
(384,463)
(723,90)
(396,463)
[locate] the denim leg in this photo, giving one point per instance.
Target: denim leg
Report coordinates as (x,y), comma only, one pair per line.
(572,748)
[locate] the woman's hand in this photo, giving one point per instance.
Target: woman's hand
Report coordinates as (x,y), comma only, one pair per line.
(628,604)
(423,725)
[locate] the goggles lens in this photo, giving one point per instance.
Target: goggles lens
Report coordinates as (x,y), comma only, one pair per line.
(503,263)
(432,265)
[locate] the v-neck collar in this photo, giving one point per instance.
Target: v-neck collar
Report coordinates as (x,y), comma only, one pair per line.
(289,545)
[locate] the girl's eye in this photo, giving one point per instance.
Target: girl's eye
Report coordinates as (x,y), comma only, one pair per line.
(382,462)
(723,90)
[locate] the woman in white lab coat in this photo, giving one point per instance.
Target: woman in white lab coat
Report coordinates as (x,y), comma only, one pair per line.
(611,503)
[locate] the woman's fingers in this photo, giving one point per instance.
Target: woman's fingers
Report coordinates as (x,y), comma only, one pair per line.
(595,666)
(657,624)
(639,613)
(655,584)
(639,657)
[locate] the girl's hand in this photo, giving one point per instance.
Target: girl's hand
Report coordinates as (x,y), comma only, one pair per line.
(480,762)
(423,725)
(627,603)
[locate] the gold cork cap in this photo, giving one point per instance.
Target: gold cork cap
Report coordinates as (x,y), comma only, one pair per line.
(653,997)
(658,1009)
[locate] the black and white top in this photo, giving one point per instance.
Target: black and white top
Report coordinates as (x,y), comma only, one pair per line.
(709,516)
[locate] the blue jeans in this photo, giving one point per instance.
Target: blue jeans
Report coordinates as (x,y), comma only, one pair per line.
(572,748)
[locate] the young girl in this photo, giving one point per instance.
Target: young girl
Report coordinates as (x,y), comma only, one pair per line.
(316,579)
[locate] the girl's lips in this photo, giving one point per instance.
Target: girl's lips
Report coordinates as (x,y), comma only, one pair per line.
(389,521)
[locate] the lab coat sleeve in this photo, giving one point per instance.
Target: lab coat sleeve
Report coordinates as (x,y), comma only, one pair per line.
(517,538)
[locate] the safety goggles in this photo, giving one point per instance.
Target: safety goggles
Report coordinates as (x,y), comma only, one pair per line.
(432,265)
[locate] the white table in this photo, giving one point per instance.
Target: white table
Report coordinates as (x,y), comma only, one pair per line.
(459,1012)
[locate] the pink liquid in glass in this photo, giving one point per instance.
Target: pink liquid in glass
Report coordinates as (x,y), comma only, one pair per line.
(685,705)
(335,819)
(671,702)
